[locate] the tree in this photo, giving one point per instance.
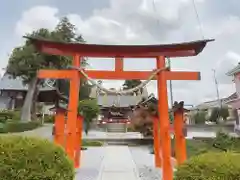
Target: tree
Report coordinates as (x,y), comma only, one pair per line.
(200,117)
(89,109)
(25,61)
(215,115)
(129,84)
(224,113)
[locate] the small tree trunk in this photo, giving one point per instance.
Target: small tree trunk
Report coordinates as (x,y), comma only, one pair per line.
(34,103)
(27,106)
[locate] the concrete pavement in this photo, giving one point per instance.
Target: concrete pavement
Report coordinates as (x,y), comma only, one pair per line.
(118,164)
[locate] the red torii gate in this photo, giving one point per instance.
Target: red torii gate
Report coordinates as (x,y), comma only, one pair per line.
(74,122)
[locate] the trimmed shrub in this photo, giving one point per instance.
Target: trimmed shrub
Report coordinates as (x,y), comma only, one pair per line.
(92,143)
(9,114)
(225,142)
(13,126)
(49,119)
(200,117)
(210,166)
(25,158)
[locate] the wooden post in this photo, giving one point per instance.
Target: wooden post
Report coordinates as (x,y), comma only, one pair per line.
(78,141)
(156,140)
(180,142)
(72,109)
(164,121)
(118,65)
(59,136)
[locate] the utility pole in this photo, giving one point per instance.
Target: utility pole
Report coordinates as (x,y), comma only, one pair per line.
(217,90)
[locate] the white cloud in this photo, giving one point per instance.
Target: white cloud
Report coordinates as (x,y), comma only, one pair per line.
(224,65)
(36,18)
(228,25)
(136,22)
(233,56)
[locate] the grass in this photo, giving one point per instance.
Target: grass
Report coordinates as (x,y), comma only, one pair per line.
(92,143)
(17,126)
(196,147)
(199,146)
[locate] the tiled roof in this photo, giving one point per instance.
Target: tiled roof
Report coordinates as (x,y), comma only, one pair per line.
(122,101)
(231,97)
(234,70)
(7,82)
(215,103)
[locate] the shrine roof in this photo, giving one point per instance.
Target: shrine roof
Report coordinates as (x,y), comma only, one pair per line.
(123,101)
(191,48)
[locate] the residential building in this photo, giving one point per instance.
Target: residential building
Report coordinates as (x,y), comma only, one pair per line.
(13,93)
(235,73)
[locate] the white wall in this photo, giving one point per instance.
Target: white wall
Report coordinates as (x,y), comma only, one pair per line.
(4,102)
(237,83)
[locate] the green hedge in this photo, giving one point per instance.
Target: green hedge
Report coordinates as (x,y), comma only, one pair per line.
(91,143)
(49,119)
(210,166)
(6,115)
(17,126)
(25,158)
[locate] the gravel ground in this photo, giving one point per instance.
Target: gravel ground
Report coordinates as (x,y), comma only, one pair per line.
(145,163)
(90,163)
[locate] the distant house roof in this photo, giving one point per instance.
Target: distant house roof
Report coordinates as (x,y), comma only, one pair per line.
(7,82)
(234,70)
(215,103)
(121,101)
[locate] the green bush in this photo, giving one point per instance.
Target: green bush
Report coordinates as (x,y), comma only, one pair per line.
(200,117)
(92,143)
(49,119)
(210,166)
(225,142)
(6,115)
(13,126)
(25,158)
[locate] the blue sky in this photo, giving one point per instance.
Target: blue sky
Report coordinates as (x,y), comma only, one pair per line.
(136,22)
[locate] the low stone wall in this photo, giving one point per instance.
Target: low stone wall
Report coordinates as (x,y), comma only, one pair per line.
(210,128)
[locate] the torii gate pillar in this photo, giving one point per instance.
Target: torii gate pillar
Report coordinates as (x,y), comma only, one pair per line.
(164,120)
(72,109)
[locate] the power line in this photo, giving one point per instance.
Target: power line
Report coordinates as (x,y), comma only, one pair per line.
(198,18)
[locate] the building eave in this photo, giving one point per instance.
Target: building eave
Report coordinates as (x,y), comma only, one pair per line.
(234,71)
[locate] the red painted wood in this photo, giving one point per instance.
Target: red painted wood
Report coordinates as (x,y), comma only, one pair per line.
(97,50)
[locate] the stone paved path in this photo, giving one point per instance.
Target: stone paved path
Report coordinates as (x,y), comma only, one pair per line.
(118,164)
(107,163)
(91,162)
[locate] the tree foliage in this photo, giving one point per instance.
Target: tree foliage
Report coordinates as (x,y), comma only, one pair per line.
(224,113)
(142,118)
(89,109)
(129,84)
(25,61)
(218,113)
(200,117)
(215,114)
